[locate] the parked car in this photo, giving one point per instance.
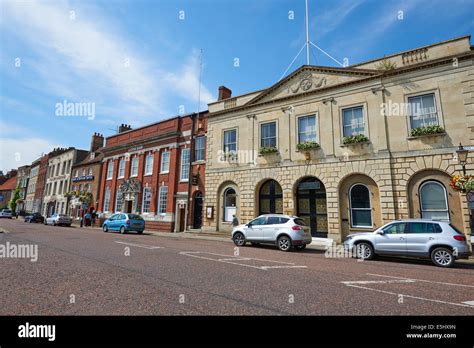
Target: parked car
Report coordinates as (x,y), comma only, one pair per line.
(35,217)
(124,223)
(436,240)
(58,220)
(284,231)
(6,213)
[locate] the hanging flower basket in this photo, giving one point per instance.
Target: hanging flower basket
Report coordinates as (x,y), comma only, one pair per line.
(464,184)
(82,196)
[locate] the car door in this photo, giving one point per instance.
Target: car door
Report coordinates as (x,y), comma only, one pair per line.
(420,236)
(392,240)
(112,223)
(271,228)
(254,229)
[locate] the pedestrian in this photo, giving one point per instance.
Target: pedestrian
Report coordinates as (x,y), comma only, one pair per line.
(235,221)
(88,219)
(94,216)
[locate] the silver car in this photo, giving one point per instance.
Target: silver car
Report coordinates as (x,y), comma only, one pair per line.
(285,231)
(436,240)
(58,219)
(6,213)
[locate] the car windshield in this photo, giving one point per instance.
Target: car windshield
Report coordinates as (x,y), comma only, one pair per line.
(7,211)
(134,217)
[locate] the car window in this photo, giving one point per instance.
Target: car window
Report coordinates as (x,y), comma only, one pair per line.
(395,228)
(273,220)
(113,217)
(455,229)
(417,227)
(134,217)
(123,217)
(258,221)
(300,222)
(284,220)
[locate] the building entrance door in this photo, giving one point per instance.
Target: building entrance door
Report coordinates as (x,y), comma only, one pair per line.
(311,206)
(197,213)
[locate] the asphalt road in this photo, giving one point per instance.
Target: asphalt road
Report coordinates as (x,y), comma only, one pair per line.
(89,272)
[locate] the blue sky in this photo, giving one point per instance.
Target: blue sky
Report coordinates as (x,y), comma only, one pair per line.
(138,61)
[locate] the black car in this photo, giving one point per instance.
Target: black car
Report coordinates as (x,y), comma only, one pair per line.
(35,217)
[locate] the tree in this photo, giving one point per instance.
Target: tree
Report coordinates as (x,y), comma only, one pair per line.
(15,198)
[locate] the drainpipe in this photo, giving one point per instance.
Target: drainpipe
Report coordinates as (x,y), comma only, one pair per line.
(190,179)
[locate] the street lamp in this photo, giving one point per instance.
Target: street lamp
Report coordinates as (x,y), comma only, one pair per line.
(462,157)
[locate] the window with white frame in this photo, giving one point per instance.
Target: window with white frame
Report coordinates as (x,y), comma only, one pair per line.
(433,201)
(230,140)
(107,200)
(89,171)
(146,202)
(360,206)
(199,145)
(110,170)
(185,164)
(423,112)
(134,167)
(84,172)
(268,136)
(306,129)
(165,162)
(121,169)
(162,199)
(149,164)
(353,121)
(118,201)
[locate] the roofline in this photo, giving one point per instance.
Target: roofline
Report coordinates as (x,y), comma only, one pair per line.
(413,49)
(239,96)
(158,122)
(380,75)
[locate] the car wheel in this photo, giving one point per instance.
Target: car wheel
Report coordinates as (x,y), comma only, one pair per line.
(122,230)
(442,257)
(140,232)
(105,228)
(300,247)
(284,243)
(239,239)
(364,251)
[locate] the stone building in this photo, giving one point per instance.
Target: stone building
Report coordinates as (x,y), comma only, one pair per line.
(40,184)
(157,171)
(347,149)
(22,183)
(58,178)
(86,176)
(8,183)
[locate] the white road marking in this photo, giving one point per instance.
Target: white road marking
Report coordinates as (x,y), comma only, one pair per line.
(410,296)
(421,280)
(471,303)
(379,281)
(234,260)
(139,245)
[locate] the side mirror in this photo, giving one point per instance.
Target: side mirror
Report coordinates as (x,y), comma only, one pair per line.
(380,232)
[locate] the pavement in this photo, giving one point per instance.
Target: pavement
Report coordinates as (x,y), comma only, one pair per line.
(89,272)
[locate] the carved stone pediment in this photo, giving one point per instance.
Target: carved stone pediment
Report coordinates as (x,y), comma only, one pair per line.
(129,189)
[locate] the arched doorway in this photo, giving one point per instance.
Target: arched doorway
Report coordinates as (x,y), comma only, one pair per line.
(197,211)
(433,201)
(311,206)
(270,198)
(230,204)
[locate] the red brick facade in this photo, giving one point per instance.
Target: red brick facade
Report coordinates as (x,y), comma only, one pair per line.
(172,136)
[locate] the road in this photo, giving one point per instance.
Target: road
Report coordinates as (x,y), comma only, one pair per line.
(89,272)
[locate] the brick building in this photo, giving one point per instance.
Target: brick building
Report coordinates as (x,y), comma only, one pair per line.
(40,183)
(23,178)
(7,186)
(86,176)
(347,149)
(157,171)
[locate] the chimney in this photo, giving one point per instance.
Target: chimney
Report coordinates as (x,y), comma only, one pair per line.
(97,142)
(224,93)
(124,127)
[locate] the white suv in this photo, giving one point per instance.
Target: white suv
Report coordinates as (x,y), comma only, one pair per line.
(436,240)
(285,231)
(6,213)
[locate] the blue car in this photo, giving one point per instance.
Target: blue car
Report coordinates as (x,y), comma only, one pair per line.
(124,222)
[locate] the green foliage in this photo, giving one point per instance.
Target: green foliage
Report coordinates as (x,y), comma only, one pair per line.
(416,132)
(15,198)
(308,145)
(267,149)
(355,139)
(386,65)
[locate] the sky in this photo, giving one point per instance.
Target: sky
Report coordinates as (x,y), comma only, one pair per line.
(72,68)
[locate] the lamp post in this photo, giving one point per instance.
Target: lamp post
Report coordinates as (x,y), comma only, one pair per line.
(462,157)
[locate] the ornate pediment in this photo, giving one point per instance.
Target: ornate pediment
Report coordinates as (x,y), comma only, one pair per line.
(129,189)
(311,78)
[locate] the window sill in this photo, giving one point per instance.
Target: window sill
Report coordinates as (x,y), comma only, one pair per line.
(109,179)
(354,144)
(164,172)
(184,181)
(411,137)
(149,174)
(199,162)
(134,176)
(361,229)
(121,177)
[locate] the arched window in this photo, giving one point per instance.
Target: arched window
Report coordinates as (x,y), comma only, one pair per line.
(361,209)
(271,198)
(230,204)
(433,201)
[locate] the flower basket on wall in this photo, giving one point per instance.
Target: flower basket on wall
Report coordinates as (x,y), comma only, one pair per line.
(428,130)
(464,184)
(265,150)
